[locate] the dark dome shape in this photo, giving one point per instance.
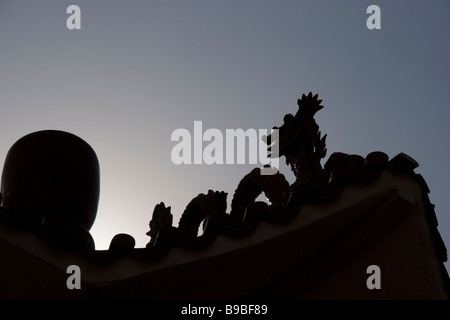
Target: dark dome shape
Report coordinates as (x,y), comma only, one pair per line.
(52,173)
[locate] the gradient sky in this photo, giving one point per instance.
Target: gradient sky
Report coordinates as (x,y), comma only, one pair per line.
(138,70)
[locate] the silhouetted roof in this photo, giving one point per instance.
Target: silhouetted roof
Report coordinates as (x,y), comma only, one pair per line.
(345,170)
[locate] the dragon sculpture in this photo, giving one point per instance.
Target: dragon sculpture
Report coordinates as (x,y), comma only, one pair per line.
(299,140)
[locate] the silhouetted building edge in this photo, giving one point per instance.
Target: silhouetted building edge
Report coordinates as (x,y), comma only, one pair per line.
(322,252)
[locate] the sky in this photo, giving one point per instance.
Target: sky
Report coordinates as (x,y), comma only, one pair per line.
(138,70)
